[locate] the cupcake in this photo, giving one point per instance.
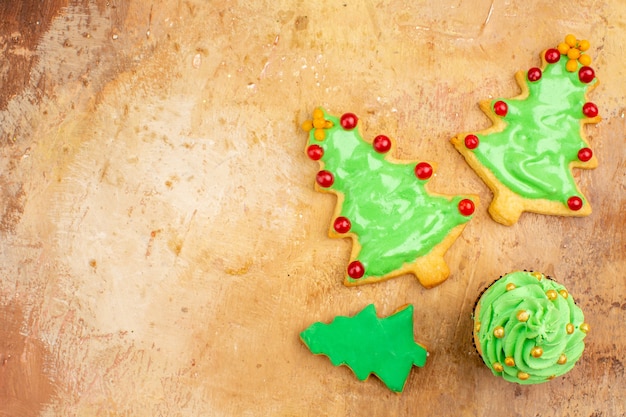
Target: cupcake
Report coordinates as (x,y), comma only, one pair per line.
(528,329)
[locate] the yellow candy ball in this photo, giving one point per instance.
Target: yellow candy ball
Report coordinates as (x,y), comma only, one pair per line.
(573,53)
(563,48)
(536,352)
(307,125)
(523,315)
(570,40)
(319,123)
(318,113)
(585,59)
(583,45)
(319,134)
(498,332)
(584,327)
(572,65)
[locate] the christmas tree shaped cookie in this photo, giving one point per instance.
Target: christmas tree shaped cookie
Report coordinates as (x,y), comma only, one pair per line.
(369,345)
(395,224)
(526,157)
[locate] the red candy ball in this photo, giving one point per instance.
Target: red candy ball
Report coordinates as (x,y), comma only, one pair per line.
(552,55)
(423,170)
(586,74)
(466,207)
(342,225)
(500,108)
(315,152)
(585,154)
(382,144)
(590,109)
(574,203)
(325,178)
(356,270)
(534,74)
(349,121)
(471,141)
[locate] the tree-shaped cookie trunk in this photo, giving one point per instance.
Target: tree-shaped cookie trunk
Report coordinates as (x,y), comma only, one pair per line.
(395,224)
(369,345)
(526,157)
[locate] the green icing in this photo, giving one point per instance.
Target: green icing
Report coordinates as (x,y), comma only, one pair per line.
(395,220)
(541,138)
(546,327)
(368,345)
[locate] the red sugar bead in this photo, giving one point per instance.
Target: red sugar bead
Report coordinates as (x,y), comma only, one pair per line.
(534,74)
(585,154)
(382,144)
(466,207)
(325,178)
(349,121)
(356,270)
(471,141)
(552,55)
(574,203)
(586,74)
(590,109)
(423,170)
(342,225)
(315,152)
(500,108)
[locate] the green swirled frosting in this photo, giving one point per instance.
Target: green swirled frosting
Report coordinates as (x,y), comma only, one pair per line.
(528,329)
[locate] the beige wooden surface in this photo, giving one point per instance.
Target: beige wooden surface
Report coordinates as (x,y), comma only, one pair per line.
(161,242)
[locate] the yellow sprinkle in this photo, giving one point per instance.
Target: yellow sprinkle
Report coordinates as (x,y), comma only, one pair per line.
(562,359)
(307,125)
(537,275)
(509,361)
(318,113)
(523,315)
(477,327)
(571,65)
(523,375)
(569,328)
(583,45)
(564,293)
(319,123)
(563,48)
(573,53)
(584,328)
(510,286)
(536,352)
(498,332)
(497,367)
(551,294)
(570,40)
(328,124)
(551,377)
(585,59)
(319,134)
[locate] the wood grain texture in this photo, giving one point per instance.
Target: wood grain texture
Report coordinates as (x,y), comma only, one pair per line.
(162,243)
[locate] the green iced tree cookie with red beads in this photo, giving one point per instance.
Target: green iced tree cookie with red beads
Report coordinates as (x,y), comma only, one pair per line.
(369,345)
(396,225)
(527,155)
